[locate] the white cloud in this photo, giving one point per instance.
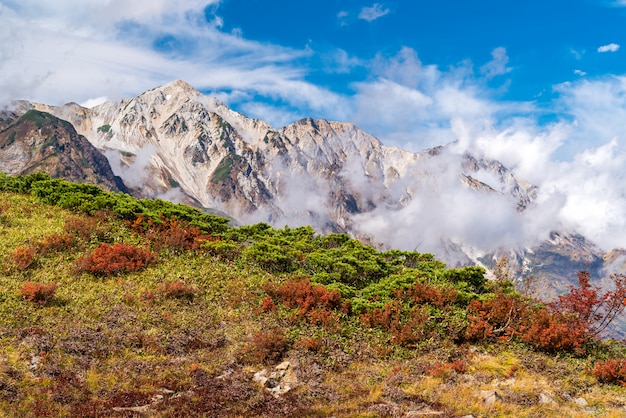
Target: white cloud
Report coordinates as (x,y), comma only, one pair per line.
(374,12)
(577,54)
(612,47)
(61,51)
(497,66)
(580,73)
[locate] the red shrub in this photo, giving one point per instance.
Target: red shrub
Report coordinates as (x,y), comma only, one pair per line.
(38,293)
(300,294)
(503,316)
(554,332)
(108,260)
(310,344)
(177,289)
(444,370)
(323,317)
(611,371)
(56,242)
(86,227)
(267,304)
(265,347)
(407,327)
(170,234)
(23,257)
(425,293)
(588,309)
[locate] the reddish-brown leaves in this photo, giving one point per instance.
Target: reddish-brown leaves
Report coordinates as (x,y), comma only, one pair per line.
(38,293)
(107,260)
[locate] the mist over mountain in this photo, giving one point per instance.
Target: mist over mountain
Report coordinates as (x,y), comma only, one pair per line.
(175,143)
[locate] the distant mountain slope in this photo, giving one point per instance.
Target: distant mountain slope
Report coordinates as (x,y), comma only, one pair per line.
(38,141)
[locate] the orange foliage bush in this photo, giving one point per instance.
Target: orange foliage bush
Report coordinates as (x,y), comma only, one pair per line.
(611,371)
(503,316)
(23,257)
(311,344)
(586,308)
(56,242)
(267,304)
(265,347)
(406,327)
(444,370)
(38,293)
(553,332)
(301,294)
(177,289)
(108,260)
(170,234)
(84,227)
(425,293)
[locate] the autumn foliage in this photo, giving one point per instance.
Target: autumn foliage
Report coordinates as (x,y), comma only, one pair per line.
(265,347)
(611,371)
(107,260)
(38,293)
(23,257)
(177,289)
(503,316)
(299,293)
(170,234)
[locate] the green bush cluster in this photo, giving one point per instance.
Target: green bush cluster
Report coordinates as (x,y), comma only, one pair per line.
(90,199)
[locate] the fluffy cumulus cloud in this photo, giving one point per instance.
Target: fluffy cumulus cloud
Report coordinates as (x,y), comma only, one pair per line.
(612,47)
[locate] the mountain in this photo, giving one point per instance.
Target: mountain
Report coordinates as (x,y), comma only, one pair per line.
(175,143)
(38,141)
(316,172)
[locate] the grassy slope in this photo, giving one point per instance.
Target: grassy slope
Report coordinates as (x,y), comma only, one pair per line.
(118,342)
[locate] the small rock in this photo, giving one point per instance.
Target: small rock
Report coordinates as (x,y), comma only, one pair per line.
(139,409)
(271,383)
(581,402)
(166,391)
(490,396)
(283,366)
(260,377)
(546,399)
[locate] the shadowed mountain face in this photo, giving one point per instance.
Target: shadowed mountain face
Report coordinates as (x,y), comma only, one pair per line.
(175,143)
(38,141)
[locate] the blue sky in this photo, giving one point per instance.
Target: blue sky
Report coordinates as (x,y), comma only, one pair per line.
(547,42)
(537,85)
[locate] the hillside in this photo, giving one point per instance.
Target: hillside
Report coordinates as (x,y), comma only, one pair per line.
(113,306)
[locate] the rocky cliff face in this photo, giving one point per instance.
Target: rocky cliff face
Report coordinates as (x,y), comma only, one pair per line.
(175,143)
(38,141)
